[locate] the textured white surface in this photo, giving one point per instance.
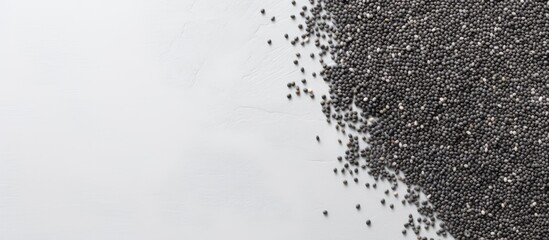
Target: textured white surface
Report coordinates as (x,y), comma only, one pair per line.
(166,119)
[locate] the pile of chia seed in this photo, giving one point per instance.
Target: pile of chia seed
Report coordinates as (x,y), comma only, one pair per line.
(451,97)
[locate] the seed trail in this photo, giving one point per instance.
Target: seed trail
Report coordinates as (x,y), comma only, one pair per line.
(452,99)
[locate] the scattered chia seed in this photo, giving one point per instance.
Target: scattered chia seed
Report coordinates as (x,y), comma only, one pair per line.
(454,95)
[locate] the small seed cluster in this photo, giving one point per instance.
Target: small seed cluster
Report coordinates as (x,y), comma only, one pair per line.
(454,96)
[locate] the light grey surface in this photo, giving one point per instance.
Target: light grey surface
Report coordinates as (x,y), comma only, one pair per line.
(156,119)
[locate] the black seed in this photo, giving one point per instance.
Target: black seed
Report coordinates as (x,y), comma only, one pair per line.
(454,88)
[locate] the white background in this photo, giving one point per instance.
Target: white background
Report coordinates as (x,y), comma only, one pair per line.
(168,119)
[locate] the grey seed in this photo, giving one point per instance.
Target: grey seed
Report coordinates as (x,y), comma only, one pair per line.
(453,104)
